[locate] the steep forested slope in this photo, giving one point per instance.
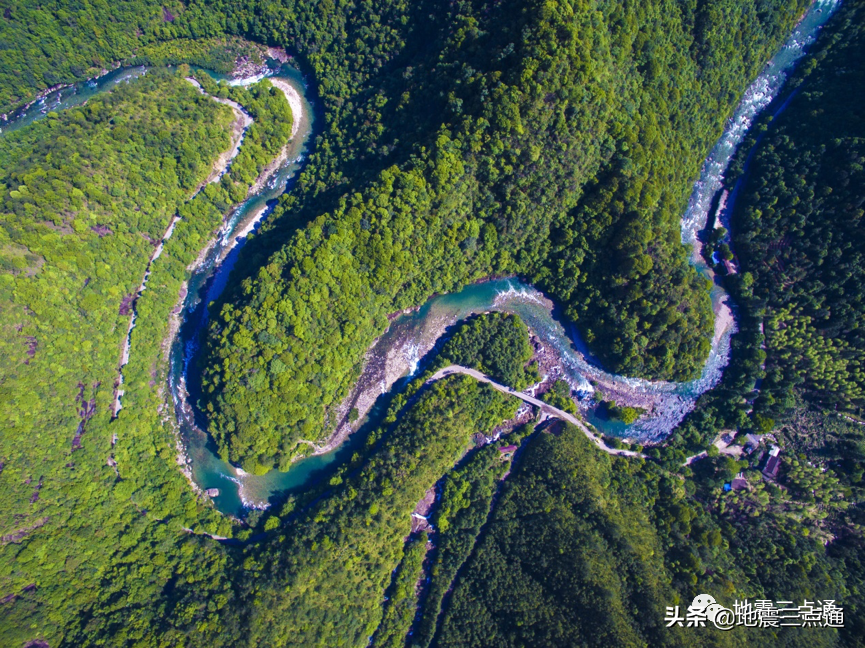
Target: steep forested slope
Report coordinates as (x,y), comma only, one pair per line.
(584,550)
(796,188)
(85,194)
(89,506)
(548,139)
(800,232)
(320,578)
(555,551)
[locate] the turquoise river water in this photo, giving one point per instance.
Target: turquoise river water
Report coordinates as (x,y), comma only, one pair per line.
(411,336)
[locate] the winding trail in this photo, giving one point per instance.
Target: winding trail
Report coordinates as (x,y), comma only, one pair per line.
(238,129)
(546,408)
(242,121)
(549,410)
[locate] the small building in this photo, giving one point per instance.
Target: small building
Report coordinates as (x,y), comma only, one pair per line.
(773,463)
(508,449)
(740,483)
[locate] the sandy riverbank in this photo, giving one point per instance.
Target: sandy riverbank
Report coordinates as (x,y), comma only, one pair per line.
(388,360)
(296,105)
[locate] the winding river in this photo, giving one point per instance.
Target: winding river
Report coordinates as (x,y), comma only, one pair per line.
(400,350)
(67,96)
(205,285)
(215,263)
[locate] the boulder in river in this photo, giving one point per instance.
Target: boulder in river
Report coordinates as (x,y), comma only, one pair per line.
(212,492)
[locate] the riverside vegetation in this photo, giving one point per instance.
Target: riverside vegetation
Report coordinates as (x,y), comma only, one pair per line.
(496,344)
(52,43)
(510,142)
(88,193)
(797,226)
(553,139)
(798,230)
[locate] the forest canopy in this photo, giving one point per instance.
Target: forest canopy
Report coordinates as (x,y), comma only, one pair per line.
(537,163)
(496,344)
(798,226)
(87,195)
(555,140)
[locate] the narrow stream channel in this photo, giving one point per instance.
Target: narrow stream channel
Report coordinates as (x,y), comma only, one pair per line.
(67,97)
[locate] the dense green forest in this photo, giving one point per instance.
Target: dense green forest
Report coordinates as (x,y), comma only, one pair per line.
(320,575)
(555,140)
(51,43)
(799,229)
(465,501)
(401,604)
(87,195)
(534,159)
(496,344)
(320,580)
(582,549)
(560,564)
